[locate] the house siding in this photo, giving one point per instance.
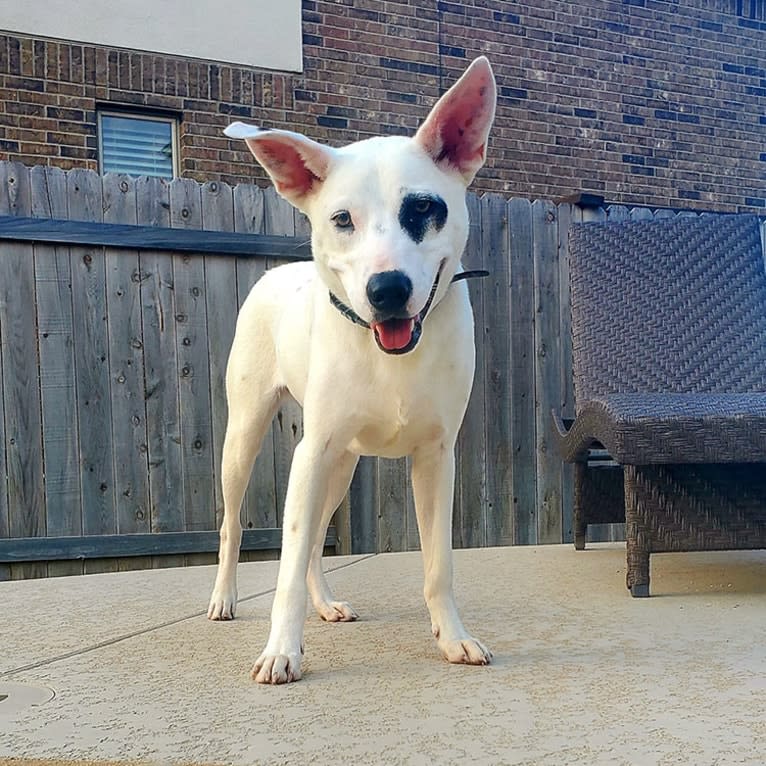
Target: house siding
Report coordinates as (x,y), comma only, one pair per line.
(645,102)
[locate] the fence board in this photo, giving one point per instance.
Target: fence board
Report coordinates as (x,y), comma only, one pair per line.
(249,218)
(100,547)
(193,373)
(548,369)
(160,363)
(5,569)
(641,214)
(23,511)
(126,365)
(469,528)
(395,507)
(220,295)
(412,534)
(522,394)
(364,507)
(497,356)
(618,213)
(392,505)
(63,496)
(763,240)
(75,232)
(92,361)
(566,215)
(58,398)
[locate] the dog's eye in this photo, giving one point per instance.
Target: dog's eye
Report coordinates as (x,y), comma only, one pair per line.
(423,205)
(342,219)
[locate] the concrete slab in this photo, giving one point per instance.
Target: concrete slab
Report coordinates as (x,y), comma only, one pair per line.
(583,674)
(71,614)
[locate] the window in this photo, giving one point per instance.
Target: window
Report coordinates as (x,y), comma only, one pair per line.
(754,10)
(137,144)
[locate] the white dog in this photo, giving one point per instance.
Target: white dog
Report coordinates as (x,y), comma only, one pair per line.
(373,340)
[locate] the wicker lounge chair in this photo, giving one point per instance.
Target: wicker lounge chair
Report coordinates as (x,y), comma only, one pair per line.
(669,357)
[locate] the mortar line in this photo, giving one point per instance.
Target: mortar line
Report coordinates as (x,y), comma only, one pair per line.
(151,628)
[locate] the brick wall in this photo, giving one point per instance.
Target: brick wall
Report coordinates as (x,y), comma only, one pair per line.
(650,102)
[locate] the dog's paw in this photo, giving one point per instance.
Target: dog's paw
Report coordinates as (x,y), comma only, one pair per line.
(337,611)
(223,605)
(465,651)
(277,668)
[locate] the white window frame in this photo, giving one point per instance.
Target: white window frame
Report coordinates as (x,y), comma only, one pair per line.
(138,115)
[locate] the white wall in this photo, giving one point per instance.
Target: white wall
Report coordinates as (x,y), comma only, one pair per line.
(262,33)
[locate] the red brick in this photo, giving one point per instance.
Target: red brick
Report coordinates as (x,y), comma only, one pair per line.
(569,74)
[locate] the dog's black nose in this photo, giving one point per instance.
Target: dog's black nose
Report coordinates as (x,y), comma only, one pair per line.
(389,291)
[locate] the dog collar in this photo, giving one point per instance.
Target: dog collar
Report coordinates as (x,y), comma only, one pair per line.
(352,316)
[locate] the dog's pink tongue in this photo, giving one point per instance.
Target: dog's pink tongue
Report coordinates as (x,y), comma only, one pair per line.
(394,334)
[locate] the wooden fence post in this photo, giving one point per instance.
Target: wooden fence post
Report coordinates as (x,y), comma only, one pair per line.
(22,510)
(522,399)
(126,367)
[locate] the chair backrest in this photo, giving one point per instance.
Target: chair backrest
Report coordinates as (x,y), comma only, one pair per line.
(673,305)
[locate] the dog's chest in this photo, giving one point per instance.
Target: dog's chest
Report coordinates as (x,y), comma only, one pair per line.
(397,425)
(419,402)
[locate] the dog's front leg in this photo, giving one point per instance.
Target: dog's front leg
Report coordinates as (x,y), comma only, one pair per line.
(433,478)
(280,661)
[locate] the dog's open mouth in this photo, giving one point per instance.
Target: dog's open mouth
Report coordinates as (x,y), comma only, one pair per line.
(397,336)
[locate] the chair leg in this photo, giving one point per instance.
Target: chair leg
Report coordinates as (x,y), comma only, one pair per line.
(580,531)
(638,551)
(579,524)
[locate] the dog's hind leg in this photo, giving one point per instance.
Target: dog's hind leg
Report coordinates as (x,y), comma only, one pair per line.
(253,398)
(433,477)
(322,597)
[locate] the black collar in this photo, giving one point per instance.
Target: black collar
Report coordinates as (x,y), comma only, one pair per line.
(352,316)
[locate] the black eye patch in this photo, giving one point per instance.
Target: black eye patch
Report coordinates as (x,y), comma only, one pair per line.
(421,212)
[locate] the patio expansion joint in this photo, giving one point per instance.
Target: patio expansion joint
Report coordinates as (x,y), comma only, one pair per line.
(151,628)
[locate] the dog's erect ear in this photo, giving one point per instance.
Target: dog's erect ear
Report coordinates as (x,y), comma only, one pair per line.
(455,132)
(296,164)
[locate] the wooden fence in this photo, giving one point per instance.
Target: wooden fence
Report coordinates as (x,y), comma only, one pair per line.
(112,365)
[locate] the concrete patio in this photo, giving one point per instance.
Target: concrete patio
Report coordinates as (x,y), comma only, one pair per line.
(125,667)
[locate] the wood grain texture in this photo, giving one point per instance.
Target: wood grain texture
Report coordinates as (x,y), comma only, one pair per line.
(92,361)
(53,286)
(87,232)
(217,202)
(103,551)
(58,398)
(567,215)
(160,364)
(121,405)
(547,370)
(470,515)
(522,401)
(497,362)
(190,317)
(126,366)
(22,511)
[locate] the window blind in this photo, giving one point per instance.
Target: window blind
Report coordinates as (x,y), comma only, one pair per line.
(137,146)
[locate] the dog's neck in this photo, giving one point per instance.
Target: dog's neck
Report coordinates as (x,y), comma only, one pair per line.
(352,316)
